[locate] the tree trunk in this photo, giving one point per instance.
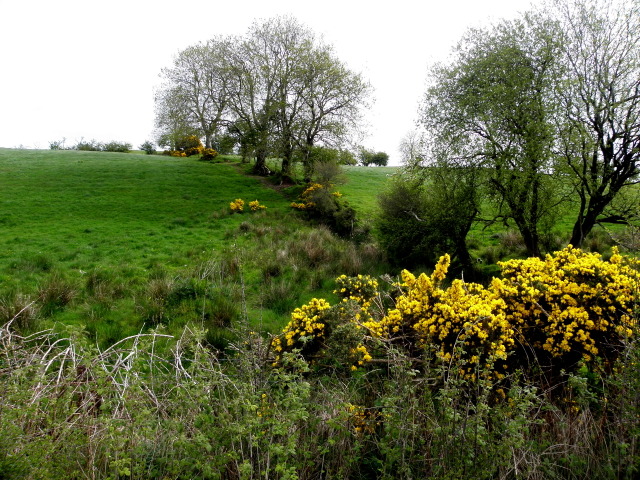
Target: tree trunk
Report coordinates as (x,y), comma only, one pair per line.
(260,167)
(285,168)
(584,225)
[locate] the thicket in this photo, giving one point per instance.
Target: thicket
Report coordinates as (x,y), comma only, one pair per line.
(532,376)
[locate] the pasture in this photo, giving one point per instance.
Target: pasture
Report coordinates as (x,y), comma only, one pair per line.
(117,243)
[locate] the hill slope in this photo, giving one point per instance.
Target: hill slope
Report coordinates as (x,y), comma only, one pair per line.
(119,242)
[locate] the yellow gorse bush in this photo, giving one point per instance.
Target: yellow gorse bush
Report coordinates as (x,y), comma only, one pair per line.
(464,316)
(572,303)
(255,206)
(568,309)
(237,205)
(305,330)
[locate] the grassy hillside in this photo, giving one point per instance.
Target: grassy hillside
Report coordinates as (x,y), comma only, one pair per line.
(116,242)
(363,186)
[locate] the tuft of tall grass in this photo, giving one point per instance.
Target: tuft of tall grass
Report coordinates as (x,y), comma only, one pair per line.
(20,310)
(55,293)
(281,296)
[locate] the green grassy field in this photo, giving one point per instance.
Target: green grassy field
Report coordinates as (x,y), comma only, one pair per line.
(120,242)
(363,186)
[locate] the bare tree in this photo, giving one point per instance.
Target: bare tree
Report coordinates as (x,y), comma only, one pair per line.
(599,91)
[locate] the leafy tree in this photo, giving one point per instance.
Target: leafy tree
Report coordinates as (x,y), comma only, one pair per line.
(172,122)
(278,89)
(489,107)
(148,147)
(289,93)
(255,68)
(428,212)
(196,87)
(369,157)
(333,98)
(547,101)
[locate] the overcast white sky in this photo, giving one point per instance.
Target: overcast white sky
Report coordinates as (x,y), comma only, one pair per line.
(87,69)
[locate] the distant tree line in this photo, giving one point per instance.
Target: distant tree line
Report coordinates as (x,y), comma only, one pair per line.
(91,146)
(277,91)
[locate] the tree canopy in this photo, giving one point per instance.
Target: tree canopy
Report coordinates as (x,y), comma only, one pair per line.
(548,107)
(278,89)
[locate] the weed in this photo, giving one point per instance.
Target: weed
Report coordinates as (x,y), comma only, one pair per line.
(156,301)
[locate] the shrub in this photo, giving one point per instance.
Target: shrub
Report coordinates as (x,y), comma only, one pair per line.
(255,206)
(419,221)
(57,144)
(321,203)
(188,142)
(237,206)
(119,147)
(557,315)
(191,151)
(89,146)
(174,153)
(208,154)
(148,148)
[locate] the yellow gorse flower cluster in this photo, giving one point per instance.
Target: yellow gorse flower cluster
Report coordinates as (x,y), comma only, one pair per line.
(572,301)
(237,205)
(364,420)
(567,308)
(571,306)
(255,206)
(303,330)
(465,316)
(306,200)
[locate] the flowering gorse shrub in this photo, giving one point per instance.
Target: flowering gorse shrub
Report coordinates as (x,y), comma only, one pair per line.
(321,203)
(569,310)
(191,151)
(305,331)
(572,305)
(208,154)
(174,153)
(237,205)
(307,197)
(255,206)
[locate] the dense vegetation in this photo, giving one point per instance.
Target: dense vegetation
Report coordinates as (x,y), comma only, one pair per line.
(141,339)
(177,317)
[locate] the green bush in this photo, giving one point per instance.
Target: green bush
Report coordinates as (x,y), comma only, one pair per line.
(148,148)
(120,147)
(89,146)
